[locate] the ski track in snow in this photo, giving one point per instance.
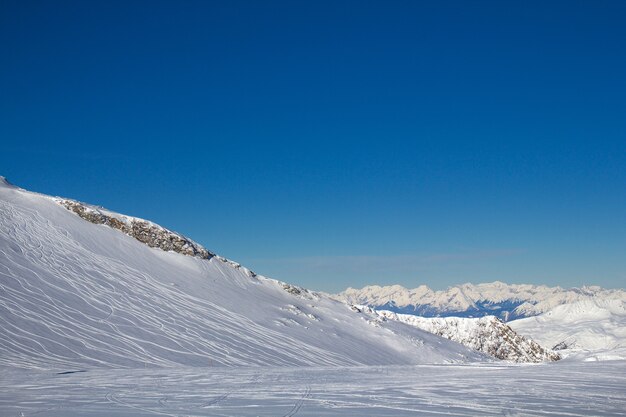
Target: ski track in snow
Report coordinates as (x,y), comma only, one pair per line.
(93,322)
(560,389)
(148,309)
(76,294)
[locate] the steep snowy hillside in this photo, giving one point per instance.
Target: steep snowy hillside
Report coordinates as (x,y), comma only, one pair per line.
(74,294)
(507,302)
(593,329)
(485,334)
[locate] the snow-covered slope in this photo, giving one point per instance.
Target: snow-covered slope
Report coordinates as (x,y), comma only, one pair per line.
(505,301)
(78,294)
(592,329)
(485,334)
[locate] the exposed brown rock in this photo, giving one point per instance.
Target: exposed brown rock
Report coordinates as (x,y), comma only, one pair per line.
(151,234)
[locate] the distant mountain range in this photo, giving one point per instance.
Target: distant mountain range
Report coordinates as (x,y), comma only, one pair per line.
(505,301)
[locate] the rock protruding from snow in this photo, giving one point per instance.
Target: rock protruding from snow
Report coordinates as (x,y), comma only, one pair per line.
(485,334)
(504,301)
(144,231)
(77,295)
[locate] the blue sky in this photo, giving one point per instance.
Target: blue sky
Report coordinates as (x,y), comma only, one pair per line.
(335,144)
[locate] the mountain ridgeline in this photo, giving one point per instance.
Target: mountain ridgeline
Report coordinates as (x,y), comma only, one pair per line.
(505,301)
(82,287)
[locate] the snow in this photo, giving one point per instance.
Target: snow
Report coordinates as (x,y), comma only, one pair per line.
(592,329)
(485,334)
(96,323)
(556,389)
(587,323)
(507,301)
(77,294)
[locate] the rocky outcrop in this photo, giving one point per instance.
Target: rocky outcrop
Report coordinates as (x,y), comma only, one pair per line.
(298,291)
(485,334)
(144,231)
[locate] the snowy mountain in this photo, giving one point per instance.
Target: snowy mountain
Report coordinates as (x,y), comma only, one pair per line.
(485,334)
(593,329)
(507,302)
(83,287)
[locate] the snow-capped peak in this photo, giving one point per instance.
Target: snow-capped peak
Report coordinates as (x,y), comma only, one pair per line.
(507,301)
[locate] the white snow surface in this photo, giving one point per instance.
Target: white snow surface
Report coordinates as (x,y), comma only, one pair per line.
(555,389)
(79,295)
(592,329)
(533,299)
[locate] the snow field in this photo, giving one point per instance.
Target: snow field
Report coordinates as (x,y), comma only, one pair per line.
(75,293)
(557,389)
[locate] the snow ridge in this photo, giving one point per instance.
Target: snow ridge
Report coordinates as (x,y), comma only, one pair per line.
(144,231)
(593,329)
(78,295)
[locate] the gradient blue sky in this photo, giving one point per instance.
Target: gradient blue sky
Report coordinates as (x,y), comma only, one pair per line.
(335,144)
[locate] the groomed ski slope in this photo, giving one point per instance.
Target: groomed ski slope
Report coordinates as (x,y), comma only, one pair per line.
(76,294)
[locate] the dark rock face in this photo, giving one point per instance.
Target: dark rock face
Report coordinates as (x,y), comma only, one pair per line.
(151,234)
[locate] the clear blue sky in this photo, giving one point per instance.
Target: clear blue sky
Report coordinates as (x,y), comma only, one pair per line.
(335,144)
